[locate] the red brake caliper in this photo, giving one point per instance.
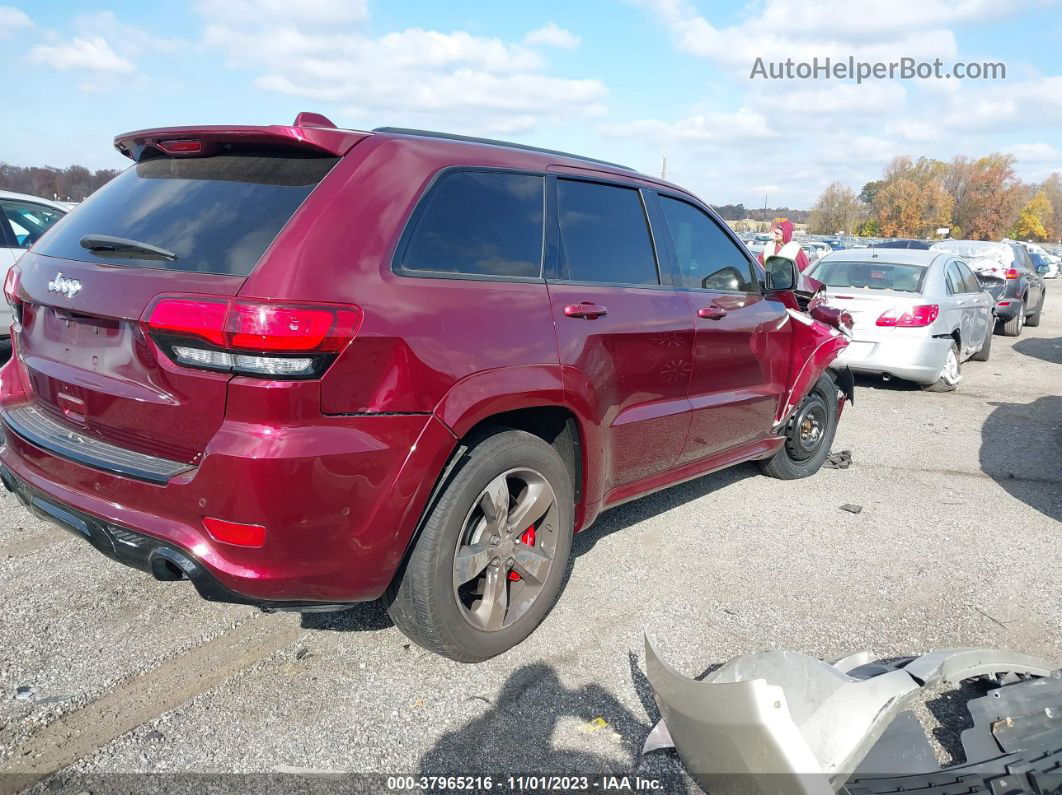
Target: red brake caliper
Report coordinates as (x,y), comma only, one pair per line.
(527,538)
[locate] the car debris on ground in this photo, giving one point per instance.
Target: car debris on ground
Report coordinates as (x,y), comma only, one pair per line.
(786,722)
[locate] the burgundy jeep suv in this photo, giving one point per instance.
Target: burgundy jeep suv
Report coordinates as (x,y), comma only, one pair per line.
(304,367)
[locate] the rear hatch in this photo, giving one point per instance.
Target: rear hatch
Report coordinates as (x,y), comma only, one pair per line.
(168,224)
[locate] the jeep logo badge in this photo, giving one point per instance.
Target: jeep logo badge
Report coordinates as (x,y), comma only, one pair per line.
(68,287)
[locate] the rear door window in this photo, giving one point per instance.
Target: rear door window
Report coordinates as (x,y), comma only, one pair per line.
(707,258)
(954,279)
(479,223)
(604,234)
(970,282)
(214,214)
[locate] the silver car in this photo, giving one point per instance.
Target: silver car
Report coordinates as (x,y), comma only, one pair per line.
(916,314)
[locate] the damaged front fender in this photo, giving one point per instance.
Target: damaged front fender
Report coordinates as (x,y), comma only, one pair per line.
(814,347)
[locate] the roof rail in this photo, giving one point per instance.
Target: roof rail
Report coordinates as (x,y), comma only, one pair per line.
(491,142)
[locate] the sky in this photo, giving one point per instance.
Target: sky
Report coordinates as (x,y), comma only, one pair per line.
(632,81)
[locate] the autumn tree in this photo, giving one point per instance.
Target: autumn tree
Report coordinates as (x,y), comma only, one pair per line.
(987,194)
(837,210)
(1034,220)
(1052,188)
(909,209)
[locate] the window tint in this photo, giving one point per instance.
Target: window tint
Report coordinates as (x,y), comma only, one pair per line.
(970,282)
(604,234)
(28,220)
(216,214)
(481,223)
(707,258)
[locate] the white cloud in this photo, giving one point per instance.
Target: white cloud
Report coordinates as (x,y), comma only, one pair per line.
(466,81)
(711,127)
(12,19)
(91,54)
(1037,153)
(129,40)
(870,30)
(552,36)
(305,13)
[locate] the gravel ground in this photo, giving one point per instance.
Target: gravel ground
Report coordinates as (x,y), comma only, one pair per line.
(956,545)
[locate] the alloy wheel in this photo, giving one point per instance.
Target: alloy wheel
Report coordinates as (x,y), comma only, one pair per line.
(506,549)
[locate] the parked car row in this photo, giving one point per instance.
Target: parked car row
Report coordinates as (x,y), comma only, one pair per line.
(920,311)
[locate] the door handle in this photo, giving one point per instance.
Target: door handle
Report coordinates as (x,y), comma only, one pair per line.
(587,309)
(711,312)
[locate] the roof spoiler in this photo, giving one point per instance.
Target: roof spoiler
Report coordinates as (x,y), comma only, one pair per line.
(310,132)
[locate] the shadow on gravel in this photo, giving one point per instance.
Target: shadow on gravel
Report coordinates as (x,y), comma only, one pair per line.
(362,617)
(1021,447)
(517,734)
(1050,350)
(867,381)
(623,516)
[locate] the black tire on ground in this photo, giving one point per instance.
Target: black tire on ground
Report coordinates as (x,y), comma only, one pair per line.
(986,346)
(804,451)
(5,349)
(1032,321)
(1013,327)
(947,382)
(424,601)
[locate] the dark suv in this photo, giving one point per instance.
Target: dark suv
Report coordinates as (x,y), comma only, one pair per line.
(304,367)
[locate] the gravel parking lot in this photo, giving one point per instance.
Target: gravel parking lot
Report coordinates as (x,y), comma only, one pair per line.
(957,544)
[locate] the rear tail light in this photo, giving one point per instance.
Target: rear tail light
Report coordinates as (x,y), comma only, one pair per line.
(1012,273)
(258,338)
(11,281)
(243,535)
(912,317)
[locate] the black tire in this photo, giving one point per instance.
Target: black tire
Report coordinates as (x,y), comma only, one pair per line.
(986,346)
(424,600)
(5,349)
(1013,326)
(1032,321)
(795,459)
(946,382)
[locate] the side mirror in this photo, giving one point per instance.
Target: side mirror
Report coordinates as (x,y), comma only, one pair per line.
(1043,270)
(780,273)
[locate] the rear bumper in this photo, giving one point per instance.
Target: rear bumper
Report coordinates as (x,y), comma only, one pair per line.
(913,358)
(339,498)
(162,560)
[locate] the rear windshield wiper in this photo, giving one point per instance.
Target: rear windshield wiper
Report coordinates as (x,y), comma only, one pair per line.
(119,245)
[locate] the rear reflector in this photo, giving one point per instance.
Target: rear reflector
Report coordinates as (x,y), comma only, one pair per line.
(909,318)
(243,535)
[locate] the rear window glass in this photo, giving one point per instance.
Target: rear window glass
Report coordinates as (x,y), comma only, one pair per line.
(480,223)
(870,275)
(215,214)
(604,234)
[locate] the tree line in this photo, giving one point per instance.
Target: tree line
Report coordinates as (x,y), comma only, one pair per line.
(738,212)
(73,183)
(974,198)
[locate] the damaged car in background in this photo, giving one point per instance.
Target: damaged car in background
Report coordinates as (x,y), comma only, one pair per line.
(785,722)
(1020,297)
(917,315)
(429,361)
